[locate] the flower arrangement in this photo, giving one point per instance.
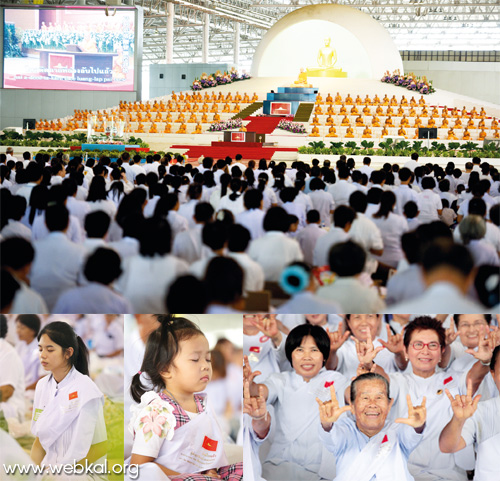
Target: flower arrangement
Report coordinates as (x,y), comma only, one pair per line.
(410,82)
(227,125)
(290,126)
(218,78)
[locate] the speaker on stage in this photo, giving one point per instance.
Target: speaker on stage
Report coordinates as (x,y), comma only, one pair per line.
(428,133)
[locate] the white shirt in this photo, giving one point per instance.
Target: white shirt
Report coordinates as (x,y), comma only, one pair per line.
(178,223)
(366,233)
(188,245)
(323,202)
(440,296)
(253,275)
(31,360)
(126,247)
(341,191)
(405,285)
(39,229)
(93,298)
(307,238)
(411,164)
(403,195)
(352,296)
(187,212)
(105,205)
(146,280)
(14,407)
(392,228)
(322,250)
(28,300)
(78,209)
(274,251)
(307,302)
(297,210)
(15,228)
(235,206)
(109,337)
(253,220)
(50,276)
(483,253)
(429,203)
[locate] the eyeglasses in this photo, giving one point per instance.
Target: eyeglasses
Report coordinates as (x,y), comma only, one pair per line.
(468,326)
(419,345)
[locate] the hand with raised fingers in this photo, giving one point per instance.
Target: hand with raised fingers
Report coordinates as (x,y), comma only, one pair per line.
(463,406)
(248,375)
(485,347)
(394,342)
(364,370)
(450,334)
(366,351)
(416,414)
(337,338)
(254,406)
(268,325)
(330,411)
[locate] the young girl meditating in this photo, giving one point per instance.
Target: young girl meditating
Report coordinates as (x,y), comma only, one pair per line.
(68,421)
(175,434)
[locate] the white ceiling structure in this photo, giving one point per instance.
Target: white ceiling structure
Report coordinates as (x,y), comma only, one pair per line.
(414,25)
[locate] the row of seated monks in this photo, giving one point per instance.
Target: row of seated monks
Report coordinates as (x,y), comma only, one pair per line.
(367,133)
(368,101)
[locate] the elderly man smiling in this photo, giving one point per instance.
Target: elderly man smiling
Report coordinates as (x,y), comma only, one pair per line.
(365,447)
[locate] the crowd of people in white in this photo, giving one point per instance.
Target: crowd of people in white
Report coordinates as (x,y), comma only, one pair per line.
(130,235)
(371,397)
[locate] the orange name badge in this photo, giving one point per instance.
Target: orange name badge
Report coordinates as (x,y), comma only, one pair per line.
(73,395)
(210,444)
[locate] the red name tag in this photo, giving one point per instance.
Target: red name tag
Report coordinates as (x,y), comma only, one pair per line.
(254,349)
(329,383)
(73,395)
(447,380)
(385,439)
(210,444)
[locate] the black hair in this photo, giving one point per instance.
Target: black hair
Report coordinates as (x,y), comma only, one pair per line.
(444,252)
(404,174)
(162,347)
(63,335)
(97,224)
(374,195)
(387,203)
(494,358)
(252,199)
(178,301)
(428,183)
(410,209)
(343,215)
(155,238)
(424,323)
(31,321)
(224,280)
(410,243)
(346,259)
(203,212)
(103,266)
(4,327)
(9,288)
(477,206)
(313,216)
(276,218)
(17,252)
(368,376)
(288,194)
(238,238)
(358,201)
(298,333)
(456,319)
(214,235)
(57,218)
(97,189)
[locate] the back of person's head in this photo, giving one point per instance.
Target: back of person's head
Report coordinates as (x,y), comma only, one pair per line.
(477,206)
(276,219)
(34,172)
(404,174)
(378,177)
(367,160)
(97,189)
(194,191)
(476,160)
(252,199)
(214,235)
(410,209)
(203,212)
(414,156)
(288,194)
(494,214)
(472,227)
(97,224)
(312,216)
(410,243)
(16,207)
(444,185)
(103,266)
(224,281)
(347,259)
(358,201)
(155,238)
(343,172)
(179,299)
(374,195)
(17,253)
(208,162)
(57,218)
(445,254)
(343,215)
(316,184)
(428,183)
(238,238)
(387,203)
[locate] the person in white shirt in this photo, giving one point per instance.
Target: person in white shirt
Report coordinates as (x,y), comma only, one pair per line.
(76,208)
(302,198)
(343,217)
(342,189)
(364,445)
(404,193)
(237,243)
(275,250)
(135,168)
(448,273)
(288,196)
(12,385)
(214,236)
(347,260)
(58,261)
(429,203)
(412,164)
(187,210)
(232,201)
(96,227)
(102,268)
(322,201)
(34,175)
(308,237)
(27,328)
(16,208)
(477,423)
(253,216)
(97,198)
(472,231)
(365,168)
(17,257)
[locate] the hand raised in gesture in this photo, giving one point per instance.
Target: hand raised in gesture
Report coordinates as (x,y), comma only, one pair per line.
(366,351)
(337,338)
(248,374)
(330,411)
(485,347)
(394,342)
(450,333)
(254,406)
(416,414)
(463,406)
(268,325)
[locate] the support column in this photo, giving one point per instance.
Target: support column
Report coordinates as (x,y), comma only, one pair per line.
(236,57)
(206,31)
(169,50)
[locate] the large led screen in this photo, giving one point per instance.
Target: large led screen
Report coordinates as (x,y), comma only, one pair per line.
(75,48)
